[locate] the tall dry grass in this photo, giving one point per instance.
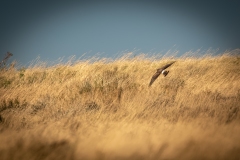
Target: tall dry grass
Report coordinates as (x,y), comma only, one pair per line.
(104,109)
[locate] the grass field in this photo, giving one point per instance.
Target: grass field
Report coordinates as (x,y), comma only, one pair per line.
(104,109)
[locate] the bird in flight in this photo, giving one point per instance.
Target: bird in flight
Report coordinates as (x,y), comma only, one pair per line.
(160,71)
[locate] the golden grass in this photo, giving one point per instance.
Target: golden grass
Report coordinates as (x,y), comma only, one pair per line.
(104,109)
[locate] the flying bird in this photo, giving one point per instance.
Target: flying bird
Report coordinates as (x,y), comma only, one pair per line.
(160,71)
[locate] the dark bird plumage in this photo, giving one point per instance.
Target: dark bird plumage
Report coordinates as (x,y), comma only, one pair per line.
(159,71)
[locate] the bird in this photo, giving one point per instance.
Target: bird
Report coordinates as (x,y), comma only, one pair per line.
(160,71)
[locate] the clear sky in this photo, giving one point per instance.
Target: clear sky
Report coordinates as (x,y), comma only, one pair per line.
(56,28)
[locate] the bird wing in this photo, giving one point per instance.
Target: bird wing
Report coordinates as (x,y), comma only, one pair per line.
(154,77)
(166,66)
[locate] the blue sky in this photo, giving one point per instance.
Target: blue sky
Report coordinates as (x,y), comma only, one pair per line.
(52,29)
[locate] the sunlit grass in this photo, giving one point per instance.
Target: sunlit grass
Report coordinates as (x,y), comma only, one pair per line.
(104,109)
